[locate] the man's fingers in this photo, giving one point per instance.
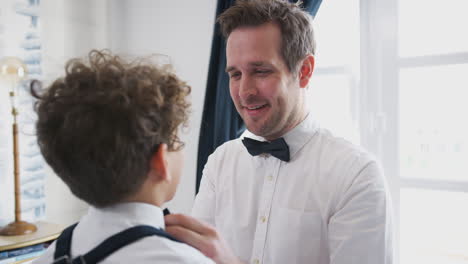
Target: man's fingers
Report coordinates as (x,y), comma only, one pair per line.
(201,236)
(189,223)
(191,238)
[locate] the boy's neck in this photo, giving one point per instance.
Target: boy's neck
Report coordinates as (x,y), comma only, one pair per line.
(145,198)
(151,193)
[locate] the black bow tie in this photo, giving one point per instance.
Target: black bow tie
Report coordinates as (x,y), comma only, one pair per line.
(277,148)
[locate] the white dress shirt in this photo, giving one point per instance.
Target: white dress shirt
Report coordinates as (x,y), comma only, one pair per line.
(328,204)
(100,224)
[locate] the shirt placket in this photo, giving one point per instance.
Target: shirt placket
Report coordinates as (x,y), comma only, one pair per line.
(271,168)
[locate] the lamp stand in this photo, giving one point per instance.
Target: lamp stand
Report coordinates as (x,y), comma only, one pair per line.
(18,227)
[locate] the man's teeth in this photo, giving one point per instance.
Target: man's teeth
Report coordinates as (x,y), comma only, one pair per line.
(255,107)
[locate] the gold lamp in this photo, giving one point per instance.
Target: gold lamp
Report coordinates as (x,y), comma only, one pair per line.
(13,70)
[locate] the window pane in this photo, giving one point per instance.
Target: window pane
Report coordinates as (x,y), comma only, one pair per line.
(434,122)
(337,32)
(432,27)
(330,103)
(433,227)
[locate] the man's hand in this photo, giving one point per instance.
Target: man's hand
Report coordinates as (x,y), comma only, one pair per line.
(200,236)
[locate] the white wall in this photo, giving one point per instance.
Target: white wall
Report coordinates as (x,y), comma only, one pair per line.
(182,30)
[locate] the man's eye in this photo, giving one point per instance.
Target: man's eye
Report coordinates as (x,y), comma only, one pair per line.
(262,72)
(234,75)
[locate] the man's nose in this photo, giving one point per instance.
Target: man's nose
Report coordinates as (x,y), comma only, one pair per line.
(247,87)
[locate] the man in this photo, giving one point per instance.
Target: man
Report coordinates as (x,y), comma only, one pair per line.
(299,194)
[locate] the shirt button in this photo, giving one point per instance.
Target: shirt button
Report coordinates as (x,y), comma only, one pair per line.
(256,261)
(263,219)
(270,178)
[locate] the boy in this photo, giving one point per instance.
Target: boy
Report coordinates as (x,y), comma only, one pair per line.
(109,129)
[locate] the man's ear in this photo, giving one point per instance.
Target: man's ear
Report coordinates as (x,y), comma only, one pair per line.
(306,70)
(159,165)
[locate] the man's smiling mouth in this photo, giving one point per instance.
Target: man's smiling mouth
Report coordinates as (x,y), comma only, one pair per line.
(255,107)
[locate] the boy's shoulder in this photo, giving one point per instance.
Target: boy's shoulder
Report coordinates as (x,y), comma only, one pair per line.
(147,250)
(170,251)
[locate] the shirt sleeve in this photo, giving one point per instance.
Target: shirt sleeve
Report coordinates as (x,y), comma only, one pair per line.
(205,201)
(360,229)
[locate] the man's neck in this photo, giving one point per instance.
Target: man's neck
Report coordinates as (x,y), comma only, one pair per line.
(293,125)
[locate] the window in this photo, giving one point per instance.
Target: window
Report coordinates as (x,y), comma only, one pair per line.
(391,75)
(432,64)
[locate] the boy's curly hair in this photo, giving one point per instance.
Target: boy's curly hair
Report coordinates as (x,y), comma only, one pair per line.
(100,124)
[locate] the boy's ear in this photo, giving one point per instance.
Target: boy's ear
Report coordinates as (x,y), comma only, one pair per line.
(306,70)
(159,165)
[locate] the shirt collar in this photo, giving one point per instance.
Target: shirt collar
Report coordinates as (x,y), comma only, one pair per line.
(133,213)
(296,138)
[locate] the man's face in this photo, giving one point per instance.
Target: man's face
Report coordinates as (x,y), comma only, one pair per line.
(266,94)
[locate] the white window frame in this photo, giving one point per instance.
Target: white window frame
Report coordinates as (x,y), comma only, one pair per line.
(428,61)
(380,66)
(379,94)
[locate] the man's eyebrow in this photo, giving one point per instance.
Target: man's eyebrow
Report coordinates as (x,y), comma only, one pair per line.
(230,68)
(259,63)
(254,63)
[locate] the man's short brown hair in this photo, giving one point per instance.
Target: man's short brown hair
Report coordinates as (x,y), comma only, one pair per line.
(99,125)
(295,24)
